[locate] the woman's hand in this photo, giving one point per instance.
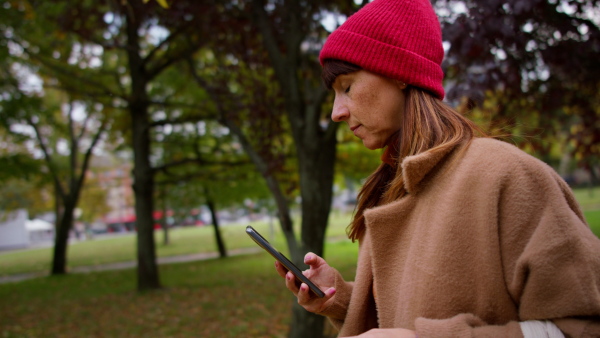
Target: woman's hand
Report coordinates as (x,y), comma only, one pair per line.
(320,273)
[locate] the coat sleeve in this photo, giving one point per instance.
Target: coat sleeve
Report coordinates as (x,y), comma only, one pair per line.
(336,311)
(550,258)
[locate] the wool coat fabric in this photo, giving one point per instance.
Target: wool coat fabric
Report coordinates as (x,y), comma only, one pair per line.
(486,237)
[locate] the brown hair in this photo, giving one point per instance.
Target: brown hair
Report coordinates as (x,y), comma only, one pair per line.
(334,68)
(428,124)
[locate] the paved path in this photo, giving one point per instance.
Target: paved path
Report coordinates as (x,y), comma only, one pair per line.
(130,264)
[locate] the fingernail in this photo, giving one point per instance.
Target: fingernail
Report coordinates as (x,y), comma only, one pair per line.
(308,258)
(288,277)
(331,292)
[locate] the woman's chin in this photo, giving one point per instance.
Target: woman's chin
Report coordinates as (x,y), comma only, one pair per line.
(372,146)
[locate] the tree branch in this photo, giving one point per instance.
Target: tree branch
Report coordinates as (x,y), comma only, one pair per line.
(76,90)
(88,154)
(261,19)
(74,147)
(168,61)
(65,73)
(48,157)
(169,39)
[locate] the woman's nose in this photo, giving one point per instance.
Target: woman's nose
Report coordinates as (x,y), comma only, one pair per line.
(340,112)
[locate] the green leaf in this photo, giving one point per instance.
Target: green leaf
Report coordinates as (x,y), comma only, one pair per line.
(162,3)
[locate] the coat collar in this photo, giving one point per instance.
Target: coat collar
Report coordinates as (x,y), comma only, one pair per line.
(415,168)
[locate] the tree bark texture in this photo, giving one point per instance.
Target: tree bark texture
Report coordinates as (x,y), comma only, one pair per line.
(143,175)
(143,186)
(305,324)
(215,222)
(64,222)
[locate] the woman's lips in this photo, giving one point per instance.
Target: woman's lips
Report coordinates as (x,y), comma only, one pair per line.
(354,129)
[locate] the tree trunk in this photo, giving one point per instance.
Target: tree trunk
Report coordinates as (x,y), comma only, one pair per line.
(59,257)
(316,148)
(61,241)
(305,324)
(315,145)
(316,169)
(64,223)
(316,181)
(215,222)
(143,175)
(143,186)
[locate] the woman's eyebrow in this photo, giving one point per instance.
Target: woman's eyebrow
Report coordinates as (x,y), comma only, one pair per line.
(336,82)
(341,77)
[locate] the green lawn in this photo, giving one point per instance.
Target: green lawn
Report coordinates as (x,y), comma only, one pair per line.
(593,219)
(240,296)
(188,240)
(589,199)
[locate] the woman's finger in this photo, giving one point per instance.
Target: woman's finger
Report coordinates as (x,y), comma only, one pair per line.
(290,283)
(281,270)
(304,295)
(313,260)
(310,302)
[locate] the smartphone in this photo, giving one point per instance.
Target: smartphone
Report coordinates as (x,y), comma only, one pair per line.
(263,243)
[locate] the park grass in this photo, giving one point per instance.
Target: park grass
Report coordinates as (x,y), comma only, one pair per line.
(588,198)
(239,296)
(183,241)
(593,219)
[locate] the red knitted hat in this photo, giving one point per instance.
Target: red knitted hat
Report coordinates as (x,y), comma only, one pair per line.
(400,39)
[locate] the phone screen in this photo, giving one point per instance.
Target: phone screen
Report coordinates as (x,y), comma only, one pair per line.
(263,243)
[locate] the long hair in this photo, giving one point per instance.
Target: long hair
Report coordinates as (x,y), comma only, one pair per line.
(428,124)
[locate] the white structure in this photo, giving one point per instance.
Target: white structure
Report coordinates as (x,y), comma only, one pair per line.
(13,234)
(17,232)
(39,231)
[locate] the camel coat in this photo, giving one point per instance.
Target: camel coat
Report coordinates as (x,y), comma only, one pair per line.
(487,236)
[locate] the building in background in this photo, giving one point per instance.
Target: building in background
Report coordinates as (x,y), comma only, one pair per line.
(18,232)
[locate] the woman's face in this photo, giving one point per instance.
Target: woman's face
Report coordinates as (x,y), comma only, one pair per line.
(371,104)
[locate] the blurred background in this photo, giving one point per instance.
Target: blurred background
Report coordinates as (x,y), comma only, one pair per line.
(138,138)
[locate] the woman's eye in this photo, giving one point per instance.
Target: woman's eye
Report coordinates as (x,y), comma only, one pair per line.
(347,89)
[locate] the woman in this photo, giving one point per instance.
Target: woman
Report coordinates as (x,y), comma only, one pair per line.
(458,236)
